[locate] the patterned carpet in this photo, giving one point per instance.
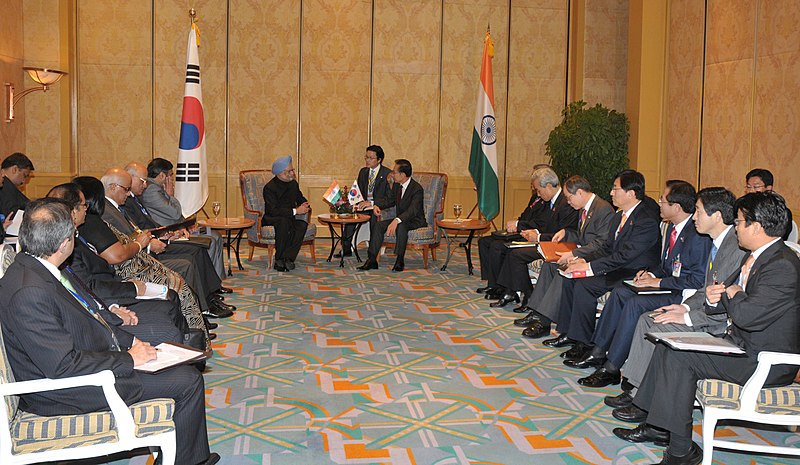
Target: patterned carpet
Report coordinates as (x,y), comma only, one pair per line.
(331,365)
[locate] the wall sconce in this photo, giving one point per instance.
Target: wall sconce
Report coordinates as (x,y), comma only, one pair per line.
(42,76)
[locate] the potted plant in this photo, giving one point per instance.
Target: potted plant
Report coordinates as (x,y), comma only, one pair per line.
(590,142)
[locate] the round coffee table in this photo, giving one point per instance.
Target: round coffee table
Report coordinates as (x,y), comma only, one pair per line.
(342,220)
(452,225)
(229,225)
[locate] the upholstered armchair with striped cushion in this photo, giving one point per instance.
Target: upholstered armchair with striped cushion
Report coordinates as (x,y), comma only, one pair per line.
(29,438)
(429,237)
(752,402)
(252,183)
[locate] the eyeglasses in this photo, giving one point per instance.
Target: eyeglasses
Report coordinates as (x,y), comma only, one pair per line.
(370,158)
(144,181)
(661,201)
(737,221)
(83,206)
(748,187)
(127,188)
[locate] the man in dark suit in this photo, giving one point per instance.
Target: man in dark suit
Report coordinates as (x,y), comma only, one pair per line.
(188,260)
(683,264)
(589,232)
(762,180)
(557,215)
(153,321)
(409,198)
(492,250)
(713,216)
(283,201)
(16,170)
(373,183)
(52,332)
(632,244)
(762,300)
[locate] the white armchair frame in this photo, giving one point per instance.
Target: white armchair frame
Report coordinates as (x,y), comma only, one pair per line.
(126,428)
(747,411)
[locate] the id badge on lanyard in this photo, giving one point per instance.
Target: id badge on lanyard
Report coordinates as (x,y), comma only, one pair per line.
(676,267)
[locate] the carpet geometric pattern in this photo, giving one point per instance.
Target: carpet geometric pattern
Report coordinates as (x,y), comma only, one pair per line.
(329,365)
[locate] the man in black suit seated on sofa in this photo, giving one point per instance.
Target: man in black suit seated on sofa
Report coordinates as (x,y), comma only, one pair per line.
(373,183)
(408,197)
(556,215)
(762,300)
(52,331)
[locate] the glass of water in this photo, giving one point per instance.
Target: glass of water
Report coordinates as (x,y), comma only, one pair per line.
(216,207)
(457,209)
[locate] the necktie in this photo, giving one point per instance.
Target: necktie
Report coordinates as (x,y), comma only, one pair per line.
(68,285)
(673,237)
(141,207)
(371,185)
(535,201)
(135,228)
(583,218)
(714,250)
(746,271)
(621,224)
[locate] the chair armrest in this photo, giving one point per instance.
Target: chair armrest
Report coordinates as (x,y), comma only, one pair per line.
(104,379)
(753,386)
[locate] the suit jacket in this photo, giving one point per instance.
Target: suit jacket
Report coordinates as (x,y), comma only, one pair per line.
(766,316)
(595,229)
(11,198)
(280,198)
(411,207)
(381,190)
(136,212)
(527,220)
(48,334)
(691,249)
(562,216)
(727,261)
(637,247)
(164,208)
(114,217)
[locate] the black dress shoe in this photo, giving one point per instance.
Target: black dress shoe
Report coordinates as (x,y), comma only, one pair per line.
(505,300)
(601,378)
(622,400)
(495,293)
(630,414)
(694,457)
(212,336)
(644,433)
(587,361)
(521,308)
(290,265)
(211,460)
(225,290)
(280,265)
(368,265)
(484,290)
(211,325)
(219,302)
(217,312)
(577,352)
(536,331)
(398,267)
(527,320)
(560,341)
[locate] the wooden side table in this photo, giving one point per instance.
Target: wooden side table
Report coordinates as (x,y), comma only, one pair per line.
(229,225)
(332,219)
(470,225)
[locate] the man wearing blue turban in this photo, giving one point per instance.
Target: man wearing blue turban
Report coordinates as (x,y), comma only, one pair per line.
(283,201)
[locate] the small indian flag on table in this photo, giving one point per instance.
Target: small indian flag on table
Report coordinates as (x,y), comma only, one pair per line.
(333,194)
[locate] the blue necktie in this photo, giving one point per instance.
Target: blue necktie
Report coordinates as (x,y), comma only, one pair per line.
(713,251)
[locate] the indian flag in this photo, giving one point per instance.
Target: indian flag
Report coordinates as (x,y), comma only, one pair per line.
(333,194)
(483,156)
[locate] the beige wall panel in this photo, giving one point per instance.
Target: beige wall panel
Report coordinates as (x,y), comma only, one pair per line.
(405,97)
(464,29)
(263,83)
(42,124)
(113,115)
(726,124)
(334,108)
(171,32)
(684,89)
(776,121)
(114,32)
(537,84)
(730,30)
(12,136)
(605,53)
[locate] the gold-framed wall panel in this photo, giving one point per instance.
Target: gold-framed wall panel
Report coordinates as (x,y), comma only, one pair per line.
(605,53)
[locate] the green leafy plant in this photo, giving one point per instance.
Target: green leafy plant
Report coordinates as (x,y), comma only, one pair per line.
(590,142)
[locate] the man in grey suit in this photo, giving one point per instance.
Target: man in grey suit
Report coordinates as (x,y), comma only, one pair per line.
(713,216)
(589,232)
(761,299)
(52,330)
(165,209)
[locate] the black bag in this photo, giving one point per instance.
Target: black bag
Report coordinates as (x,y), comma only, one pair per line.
(507,236)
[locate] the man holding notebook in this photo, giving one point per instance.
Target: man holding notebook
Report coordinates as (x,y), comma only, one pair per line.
(762,300)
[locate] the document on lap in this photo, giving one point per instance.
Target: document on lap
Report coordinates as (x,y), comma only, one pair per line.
(645,290)
(169,355)
(520,244)
(154,291)
(549,250)
(696,342)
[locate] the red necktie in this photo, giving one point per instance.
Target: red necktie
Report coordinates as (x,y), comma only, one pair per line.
(622,223)
(673,237)
(583,217)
